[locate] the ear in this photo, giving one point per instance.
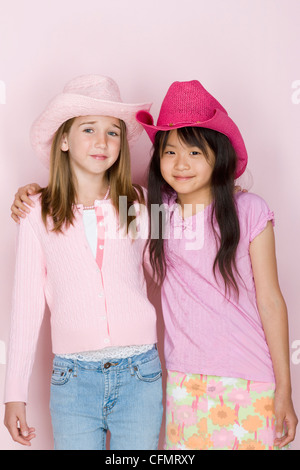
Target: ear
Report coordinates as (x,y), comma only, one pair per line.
(64,144)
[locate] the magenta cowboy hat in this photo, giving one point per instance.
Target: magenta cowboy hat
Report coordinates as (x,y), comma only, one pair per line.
(188,104)
(88,95)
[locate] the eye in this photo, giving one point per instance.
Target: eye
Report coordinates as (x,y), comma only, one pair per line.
(113,133)
(169,152)
(88,130)
(196,152)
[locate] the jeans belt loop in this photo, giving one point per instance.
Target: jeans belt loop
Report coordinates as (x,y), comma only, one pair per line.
(75,368)
(130,366)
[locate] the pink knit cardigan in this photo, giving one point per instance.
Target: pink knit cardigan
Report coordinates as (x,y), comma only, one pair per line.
(90,308)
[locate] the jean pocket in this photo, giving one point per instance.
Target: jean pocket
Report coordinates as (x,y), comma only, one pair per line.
(149,371)
(61,375)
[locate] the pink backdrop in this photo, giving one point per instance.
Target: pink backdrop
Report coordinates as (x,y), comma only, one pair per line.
(244,51)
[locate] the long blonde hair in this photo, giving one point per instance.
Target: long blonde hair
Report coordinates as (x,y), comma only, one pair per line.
(59,197)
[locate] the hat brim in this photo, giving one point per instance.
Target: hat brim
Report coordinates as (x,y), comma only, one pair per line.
(220,122)
(66,106)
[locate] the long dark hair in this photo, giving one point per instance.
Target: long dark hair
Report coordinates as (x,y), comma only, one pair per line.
(223,212)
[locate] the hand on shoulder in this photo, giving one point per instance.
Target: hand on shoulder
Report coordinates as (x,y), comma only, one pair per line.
(23,202)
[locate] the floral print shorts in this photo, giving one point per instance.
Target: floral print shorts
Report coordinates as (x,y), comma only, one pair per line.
(219,413)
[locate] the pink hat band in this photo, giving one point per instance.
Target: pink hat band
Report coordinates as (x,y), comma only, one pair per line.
(87,95)
(188,104)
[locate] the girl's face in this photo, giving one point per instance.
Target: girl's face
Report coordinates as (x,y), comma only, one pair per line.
(93,144)
(187,169)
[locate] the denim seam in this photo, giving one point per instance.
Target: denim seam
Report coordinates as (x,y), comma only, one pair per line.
(116,388)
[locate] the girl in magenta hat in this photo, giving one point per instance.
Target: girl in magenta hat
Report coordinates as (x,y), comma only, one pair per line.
(80,253)
(226,341)
(212,249)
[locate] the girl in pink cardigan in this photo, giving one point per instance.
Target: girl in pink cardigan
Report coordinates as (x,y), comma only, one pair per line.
(79,253)
(228,384)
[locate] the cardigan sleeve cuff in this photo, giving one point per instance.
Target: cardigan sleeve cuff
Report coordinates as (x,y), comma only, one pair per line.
(16,389)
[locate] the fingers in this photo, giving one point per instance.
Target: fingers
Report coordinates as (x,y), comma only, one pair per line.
(279,431)
(290,425)
(25,192)
(15,218)
(237,189)
(22,200)
(23,428)
(27,435)
(18,208)
(284,440)
(15,421)
(21,436)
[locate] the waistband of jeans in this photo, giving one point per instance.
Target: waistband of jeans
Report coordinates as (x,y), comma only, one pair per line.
(105,364)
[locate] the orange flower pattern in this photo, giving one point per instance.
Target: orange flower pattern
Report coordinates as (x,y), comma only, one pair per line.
(218,413)
(195,387)
(223,415)
(265,407)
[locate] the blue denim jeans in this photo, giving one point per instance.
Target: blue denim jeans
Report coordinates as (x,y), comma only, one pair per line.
(123,396)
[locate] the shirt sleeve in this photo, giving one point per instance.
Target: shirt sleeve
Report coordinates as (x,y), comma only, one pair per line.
(260,215)
(28,306)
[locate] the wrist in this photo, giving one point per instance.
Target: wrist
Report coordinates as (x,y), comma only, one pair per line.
(283,389)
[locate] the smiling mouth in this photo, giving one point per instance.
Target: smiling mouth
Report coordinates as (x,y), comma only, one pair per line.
(183,178)
(99,157)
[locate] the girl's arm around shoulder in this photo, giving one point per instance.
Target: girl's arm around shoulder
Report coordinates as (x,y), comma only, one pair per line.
(273,313)
(23,200)
(35,203)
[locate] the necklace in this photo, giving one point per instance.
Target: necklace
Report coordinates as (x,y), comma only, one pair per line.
(93,207)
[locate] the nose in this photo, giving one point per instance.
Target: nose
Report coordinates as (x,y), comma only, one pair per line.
(101,140)
(181,162)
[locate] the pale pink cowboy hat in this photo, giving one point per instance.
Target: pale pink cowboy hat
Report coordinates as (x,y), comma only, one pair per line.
(188,104)
(88,95)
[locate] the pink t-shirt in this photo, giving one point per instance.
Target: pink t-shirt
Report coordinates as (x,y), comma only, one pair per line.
(206,332)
